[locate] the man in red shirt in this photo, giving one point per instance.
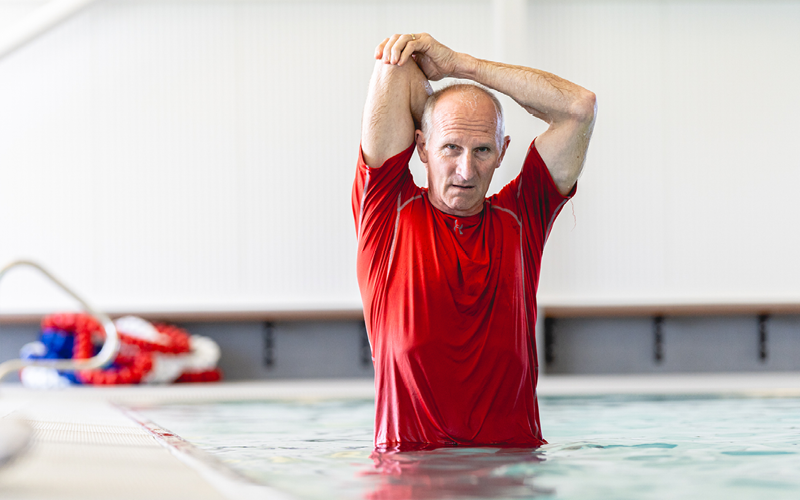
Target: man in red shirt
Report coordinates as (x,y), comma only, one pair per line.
(448,277)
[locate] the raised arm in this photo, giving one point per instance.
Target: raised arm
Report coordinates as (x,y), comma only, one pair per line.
(568,108)
(395,102)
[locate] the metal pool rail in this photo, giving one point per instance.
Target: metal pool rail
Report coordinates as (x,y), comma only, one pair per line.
(104,357)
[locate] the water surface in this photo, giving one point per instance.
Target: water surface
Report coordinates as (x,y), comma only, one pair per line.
(600,448)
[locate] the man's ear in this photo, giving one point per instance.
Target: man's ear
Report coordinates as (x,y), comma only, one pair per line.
(419,137)
(506,142)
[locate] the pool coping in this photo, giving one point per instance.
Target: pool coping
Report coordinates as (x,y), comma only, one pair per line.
(225,479)
(785,384)
(746,384)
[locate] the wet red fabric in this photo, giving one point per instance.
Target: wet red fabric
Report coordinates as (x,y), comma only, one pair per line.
(450,307)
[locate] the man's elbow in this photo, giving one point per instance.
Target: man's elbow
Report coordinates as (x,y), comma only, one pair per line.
(584,107)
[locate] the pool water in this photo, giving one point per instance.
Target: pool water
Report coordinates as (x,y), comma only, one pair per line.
(600,448)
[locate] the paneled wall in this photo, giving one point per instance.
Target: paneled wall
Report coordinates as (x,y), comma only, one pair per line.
(688,195)
(198,155)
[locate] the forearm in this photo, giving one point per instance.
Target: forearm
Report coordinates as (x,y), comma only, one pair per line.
(393,110)
(568,108)
(542,94)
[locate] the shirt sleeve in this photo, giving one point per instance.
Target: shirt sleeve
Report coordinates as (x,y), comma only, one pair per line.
(534,197)
(376,192)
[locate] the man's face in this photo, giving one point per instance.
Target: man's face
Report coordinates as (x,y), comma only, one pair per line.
(462,152)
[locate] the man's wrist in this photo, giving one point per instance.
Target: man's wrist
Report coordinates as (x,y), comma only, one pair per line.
(466,67)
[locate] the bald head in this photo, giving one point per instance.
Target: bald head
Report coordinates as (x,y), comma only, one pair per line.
(470,97)
(461,143)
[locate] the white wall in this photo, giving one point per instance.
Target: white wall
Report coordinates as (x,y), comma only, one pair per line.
(689,193)
(182,155)
(179,155)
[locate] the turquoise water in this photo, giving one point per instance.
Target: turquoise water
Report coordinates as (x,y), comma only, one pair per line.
(600,448)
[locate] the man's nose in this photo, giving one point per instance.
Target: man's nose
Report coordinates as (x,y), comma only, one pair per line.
(466,166)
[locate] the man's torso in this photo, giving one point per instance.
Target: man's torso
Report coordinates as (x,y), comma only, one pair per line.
(450,310)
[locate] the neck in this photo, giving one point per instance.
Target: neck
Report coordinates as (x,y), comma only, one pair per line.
(442,207)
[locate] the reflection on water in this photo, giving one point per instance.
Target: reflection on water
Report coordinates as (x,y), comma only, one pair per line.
(454,473)
(600,448)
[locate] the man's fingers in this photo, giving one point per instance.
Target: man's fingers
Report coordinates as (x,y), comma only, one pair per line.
(399,48)
(389,47)
(379,49)
(412,45)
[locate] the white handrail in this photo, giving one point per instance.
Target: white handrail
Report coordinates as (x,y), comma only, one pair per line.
(104,357)
(40,21)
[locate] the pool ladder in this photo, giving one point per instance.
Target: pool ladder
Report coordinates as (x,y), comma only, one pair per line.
(103,358)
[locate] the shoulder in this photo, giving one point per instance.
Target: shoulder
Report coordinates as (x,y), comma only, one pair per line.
(398,163)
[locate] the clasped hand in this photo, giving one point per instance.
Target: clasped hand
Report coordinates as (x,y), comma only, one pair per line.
(436,60)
